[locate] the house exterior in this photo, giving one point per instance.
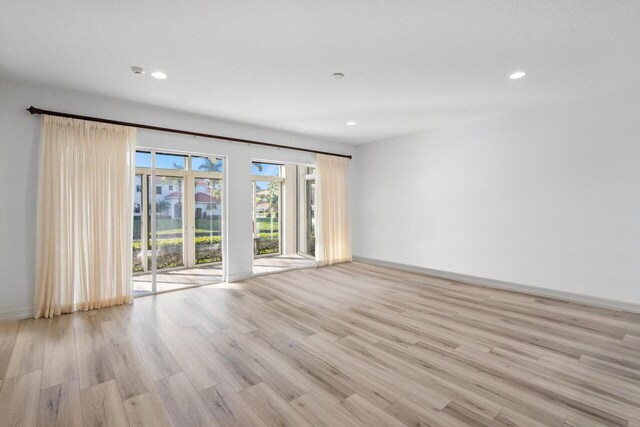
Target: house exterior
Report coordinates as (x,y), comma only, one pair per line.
(170,198)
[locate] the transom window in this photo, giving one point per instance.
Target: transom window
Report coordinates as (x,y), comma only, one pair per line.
(266,169)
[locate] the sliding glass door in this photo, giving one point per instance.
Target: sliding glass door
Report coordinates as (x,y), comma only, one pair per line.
(307,211)
(178,208)
(267,194)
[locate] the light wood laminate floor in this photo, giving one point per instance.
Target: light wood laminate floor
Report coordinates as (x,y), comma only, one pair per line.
(177,279)
(278,263)
(346,345)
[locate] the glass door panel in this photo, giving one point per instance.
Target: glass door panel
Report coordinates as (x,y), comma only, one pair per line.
(207,220)
(310,226)
(266,209)
(169,222)
(137,265)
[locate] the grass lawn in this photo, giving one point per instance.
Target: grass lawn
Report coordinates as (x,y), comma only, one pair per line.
(174,227)
(179,230)
(264,225)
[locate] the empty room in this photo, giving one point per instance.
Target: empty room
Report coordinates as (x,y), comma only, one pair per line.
(320,213)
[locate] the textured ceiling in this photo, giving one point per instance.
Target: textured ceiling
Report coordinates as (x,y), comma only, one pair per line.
(409,65)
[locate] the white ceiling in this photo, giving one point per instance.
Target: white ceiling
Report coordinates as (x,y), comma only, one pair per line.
(409,65)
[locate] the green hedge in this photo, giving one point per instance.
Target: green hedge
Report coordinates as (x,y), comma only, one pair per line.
(208,250)
(169,252)
(267,246)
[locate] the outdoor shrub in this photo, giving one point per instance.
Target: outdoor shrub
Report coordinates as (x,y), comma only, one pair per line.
(169,252)
(266,245)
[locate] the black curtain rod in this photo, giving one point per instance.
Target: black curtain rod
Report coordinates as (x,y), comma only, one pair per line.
(34,110)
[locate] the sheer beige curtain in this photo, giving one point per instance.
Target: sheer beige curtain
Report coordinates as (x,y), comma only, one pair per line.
(333,232)
(85,205)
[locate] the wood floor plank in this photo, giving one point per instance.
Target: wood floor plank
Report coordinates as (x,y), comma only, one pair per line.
(510,417)
(114,332)
(60,406)
(59,353)
(318,374)
(8,335)
(321,413)
(184,403)
(412,414)
(130,371)
(19,399)
(157,357)
(411,389)
(28,348)
(147,410)
(611,367)
(459,415)
(229,408)
(279,378)
(102,405)
(368,414)
(631,341)
(200,371)
(232,366)
(273,409)
(94,366)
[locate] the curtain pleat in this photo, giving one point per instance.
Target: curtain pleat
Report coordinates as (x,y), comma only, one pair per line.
(333,231)
(85,204)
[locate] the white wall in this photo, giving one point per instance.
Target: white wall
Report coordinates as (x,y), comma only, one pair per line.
(548,197)
(19,144)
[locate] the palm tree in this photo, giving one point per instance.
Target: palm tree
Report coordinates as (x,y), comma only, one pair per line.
(209,166)
(162,206)
(273,192)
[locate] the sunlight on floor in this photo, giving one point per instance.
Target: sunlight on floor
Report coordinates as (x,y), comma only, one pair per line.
(272,264)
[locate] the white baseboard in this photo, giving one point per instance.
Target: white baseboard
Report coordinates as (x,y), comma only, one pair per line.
(16,313)
(500,284)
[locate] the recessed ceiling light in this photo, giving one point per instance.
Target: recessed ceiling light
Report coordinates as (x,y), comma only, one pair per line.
(337,76)
(137,70)
(351,123)
(517,75)
(159,75)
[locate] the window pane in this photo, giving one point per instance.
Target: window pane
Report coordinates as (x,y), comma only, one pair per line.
(170,161)
(169,229)
(208,208)
(205,164)
(311,216)
(265,169)
(267,213)
(143,159)
(137,225)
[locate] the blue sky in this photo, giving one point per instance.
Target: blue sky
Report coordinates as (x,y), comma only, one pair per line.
(268,169)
